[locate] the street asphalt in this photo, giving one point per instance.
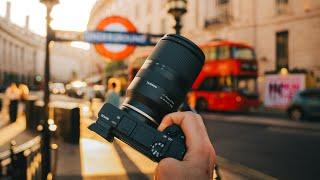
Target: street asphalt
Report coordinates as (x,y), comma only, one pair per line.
(284,153)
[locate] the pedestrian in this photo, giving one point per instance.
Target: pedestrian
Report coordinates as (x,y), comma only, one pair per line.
(24,91)
(13,95)
(112,96)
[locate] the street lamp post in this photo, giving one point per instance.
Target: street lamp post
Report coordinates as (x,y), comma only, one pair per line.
(177,8)
(46,149)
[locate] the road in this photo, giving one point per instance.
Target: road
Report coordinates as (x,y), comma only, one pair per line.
(284,153)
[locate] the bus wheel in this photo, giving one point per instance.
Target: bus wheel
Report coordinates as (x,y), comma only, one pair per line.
(201,105)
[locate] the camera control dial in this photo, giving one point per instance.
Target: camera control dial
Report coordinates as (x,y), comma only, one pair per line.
(156,149)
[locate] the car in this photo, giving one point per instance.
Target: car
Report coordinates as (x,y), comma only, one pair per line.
(76,89)
(305,104)
(57,88)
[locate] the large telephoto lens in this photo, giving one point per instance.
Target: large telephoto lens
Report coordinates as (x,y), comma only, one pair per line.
(164,79)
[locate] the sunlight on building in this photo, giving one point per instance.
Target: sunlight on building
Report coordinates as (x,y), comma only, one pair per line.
(81,45)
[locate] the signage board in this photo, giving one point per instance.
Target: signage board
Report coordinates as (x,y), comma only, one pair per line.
(111,50)
(115,37)
(280,89)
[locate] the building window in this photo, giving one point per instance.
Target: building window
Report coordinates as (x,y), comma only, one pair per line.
(222,2)
(282,6)
(282,50)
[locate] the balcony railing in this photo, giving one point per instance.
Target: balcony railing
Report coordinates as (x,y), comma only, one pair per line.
(222,16)
(282,7)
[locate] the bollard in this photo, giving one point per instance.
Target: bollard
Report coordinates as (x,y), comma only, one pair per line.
(68,120)
(13,110)
(32,114)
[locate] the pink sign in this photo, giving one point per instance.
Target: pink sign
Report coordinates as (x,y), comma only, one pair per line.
(280,89)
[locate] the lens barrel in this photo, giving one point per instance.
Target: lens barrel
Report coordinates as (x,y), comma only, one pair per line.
(163,81)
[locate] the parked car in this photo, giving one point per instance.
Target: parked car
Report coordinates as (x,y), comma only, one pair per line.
(57,88)
(76,89)
(305,104)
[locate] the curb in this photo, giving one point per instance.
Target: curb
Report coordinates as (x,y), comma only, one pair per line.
(262,121)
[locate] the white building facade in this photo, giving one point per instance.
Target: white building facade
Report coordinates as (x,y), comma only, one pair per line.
(22,56)
(284,33)
(20,52)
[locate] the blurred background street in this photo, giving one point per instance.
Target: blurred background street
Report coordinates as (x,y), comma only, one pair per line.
(258,91)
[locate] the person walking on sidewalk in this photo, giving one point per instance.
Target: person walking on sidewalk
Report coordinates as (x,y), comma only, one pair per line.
(13,95)
(112,96)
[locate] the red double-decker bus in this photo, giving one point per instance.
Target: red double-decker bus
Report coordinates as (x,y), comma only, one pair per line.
(228,80)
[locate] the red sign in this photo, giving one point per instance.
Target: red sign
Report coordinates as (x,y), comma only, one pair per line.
(115,51)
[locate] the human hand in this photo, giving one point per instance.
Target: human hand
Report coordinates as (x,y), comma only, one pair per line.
(199,160)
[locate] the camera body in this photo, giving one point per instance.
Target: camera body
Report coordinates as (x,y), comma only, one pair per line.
(112,122)
(159,88)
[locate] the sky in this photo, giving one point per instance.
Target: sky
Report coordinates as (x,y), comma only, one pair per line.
(70,15)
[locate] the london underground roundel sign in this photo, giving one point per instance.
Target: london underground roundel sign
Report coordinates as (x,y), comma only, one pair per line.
(115,24)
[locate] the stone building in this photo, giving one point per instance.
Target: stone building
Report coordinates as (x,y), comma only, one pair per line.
(22,56)
(20,52)
(285,33)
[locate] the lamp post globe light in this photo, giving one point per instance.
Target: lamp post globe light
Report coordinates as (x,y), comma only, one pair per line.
(45,140)
(177,8)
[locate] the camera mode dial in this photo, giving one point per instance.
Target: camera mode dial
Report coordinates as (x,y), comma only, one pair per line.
(156,149)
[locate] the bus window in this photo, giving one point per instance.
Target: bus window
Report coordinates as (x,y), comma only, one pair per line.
(217,84)
(212,53)
(242,53)
(247,85)
(209,84)
(224,52)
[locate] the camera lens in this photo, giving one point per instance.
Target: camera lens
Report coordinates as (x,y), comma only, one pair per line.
(164,79)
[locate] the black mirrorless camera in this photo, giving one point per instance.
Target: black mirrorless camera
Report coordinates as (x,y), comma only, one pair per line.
(159,88)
